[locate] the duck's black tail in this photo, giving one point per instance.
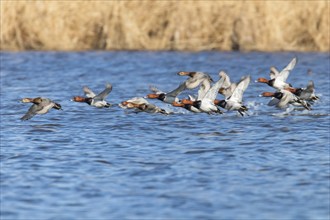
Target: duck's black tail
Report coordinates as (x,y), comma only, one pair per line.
(243,109)
(305,104)
(57,106)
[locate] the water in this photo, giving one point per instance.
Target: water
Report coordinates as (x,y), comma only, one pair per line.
(88,163)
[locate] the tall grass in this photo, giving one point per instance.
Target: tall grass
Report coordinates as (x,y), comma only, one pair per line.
(165,25)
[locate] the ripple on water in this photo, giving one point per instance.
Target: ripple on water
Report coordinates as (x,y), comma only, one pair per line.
(199,151)
(104,162)
(234,132)
(211,134)
(41,130)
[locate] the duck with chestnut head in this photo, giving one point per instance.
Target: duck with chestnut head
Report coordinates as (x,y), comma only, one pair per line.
(40,106)
(95,100)
(278,79)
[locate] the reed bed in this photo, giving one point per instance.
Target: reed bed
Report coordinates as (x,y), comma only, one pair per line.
(165,25)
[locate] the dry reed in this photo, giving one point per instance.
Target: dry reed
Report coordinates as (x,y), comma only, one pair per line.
(165,25)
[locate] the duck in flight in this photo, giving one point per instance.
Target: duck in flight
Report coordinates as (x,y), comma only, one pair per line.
(95,100)
(40,106)
(278,79)
(234,102)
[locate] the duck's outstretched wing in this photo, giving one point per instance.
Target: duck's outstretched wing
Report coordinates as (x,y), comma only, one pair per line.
(105,92)
(204,87)
(138,100)
(88,92)
(197,79)
(226,82)
(273,72)
(310,86)
(155,90)
(310,91)
(284,74)
(213,91)
(237,95)
(177,91)
(31,112)
(273,102)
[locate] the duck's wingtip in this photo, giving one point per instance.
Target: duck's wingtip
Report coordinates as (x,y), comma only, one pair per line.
(108,85)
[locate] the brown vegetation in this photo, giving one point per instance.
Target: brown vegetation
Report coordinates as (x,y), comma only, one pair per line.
(165,25)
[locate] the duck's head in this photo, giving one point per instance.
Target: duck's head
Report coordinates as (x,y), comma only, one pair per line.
(262,80)
(268,94)
(187,102)
(124,103)
(153,96)
(26,100)
(79,99)
(160,96)
(184,73)
(177,104)
(83,99)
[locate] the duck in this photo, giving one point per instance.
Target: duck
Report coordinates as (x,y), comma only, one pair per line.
(307,93)
(203,88)
(228,87)
(95,100)
(206,104)
(234,102)
(283,98)
(169,97)
(196,78)
(278,79)
(142,105)
(40,106)
(131,103)
(187,104)
(151,108)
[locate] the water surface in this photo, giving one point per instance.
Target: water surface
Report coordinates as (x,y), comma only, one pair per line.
(88,163)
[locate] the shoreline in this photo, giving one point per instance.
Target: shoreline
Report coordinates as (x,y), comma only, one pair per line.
(165,26)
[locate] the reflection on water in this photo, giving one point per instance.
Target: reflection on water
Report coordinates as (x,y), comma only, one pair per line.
(90,163)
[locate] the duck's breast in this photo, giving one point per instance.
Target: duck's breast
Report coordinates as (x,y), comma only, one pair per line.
(45,109)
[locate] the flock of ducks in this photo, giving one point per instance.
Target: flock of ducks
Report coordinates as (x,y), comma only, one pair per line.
(206,100)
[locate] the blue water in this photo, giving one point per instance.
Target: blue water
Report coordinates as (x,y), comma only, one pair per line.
(89,163)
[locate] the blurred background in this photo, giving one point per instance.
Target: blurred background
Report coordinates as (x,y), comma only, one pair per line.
(165,25)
